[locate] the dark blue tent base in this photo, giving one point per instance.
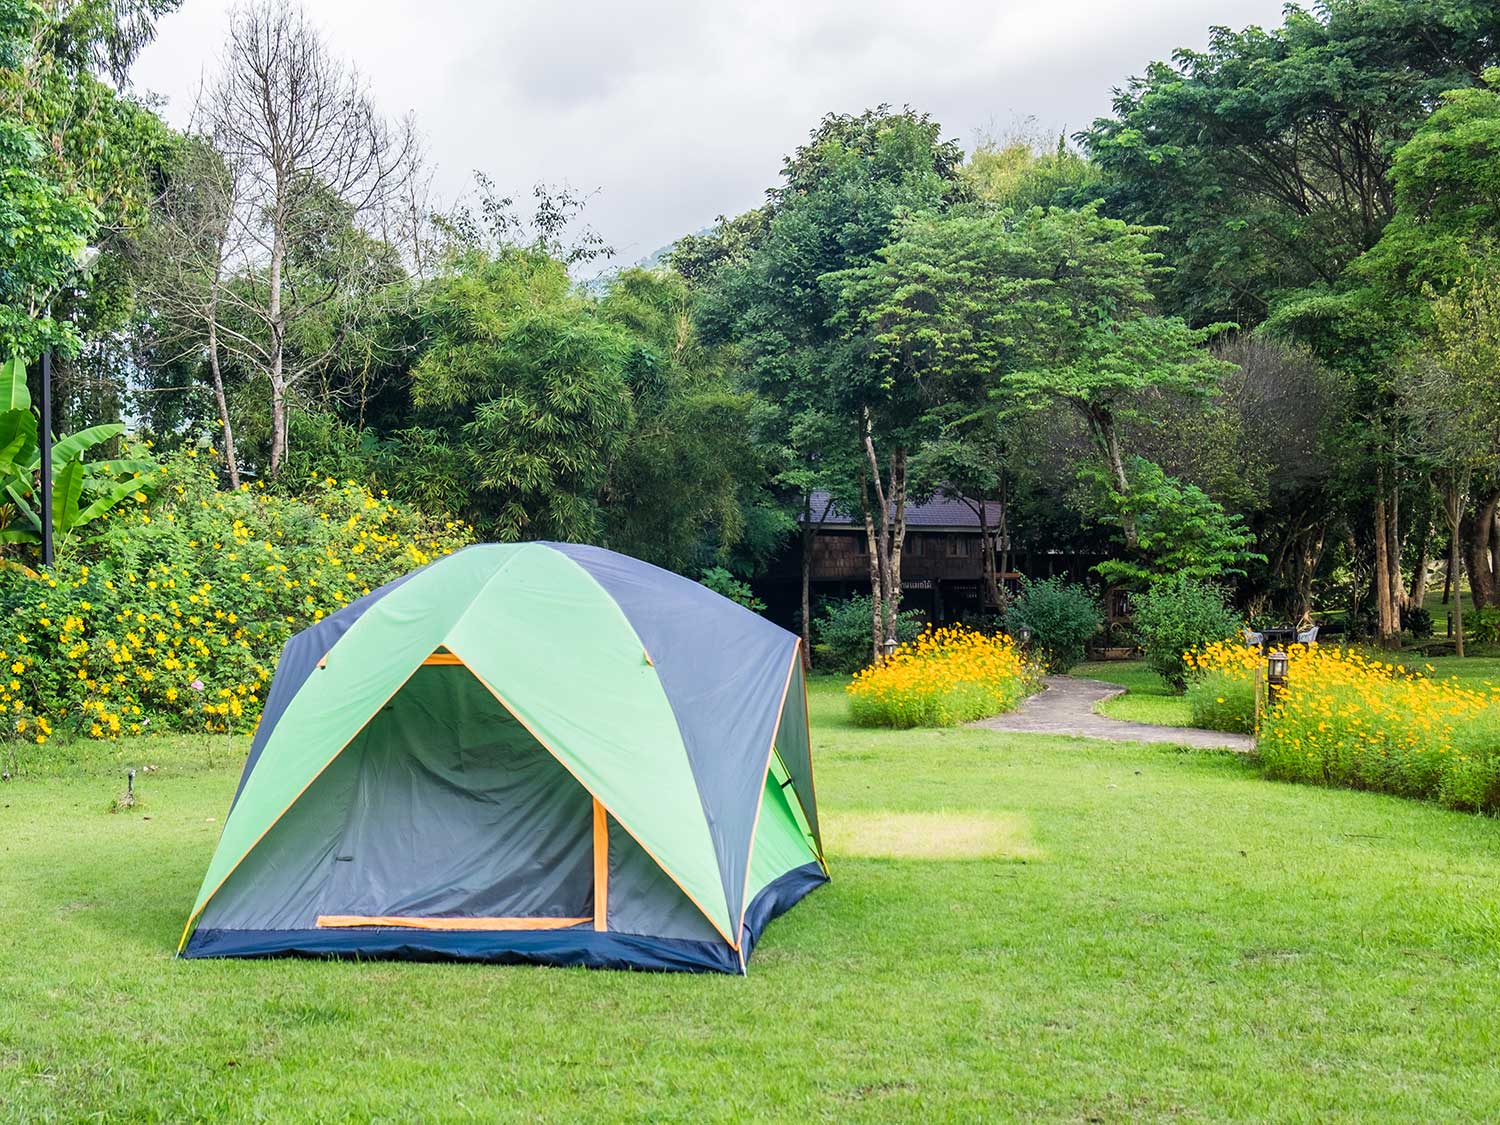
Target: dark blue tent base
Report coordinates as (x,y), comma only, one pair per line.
(574,947)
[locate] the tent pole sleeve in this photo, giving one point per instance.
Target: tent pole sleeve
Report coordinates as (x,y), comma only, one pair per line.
(601,867)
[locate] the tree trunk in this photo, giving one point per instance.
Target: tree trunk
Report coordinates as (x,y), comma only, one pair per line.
(1387,631)
(1003,530)
(897,541)
(877,613)
(809,538)
(1479,534)
(278,382)
(1394,546)
(1455,500)
(1102,422)
(888,532)
(230,460)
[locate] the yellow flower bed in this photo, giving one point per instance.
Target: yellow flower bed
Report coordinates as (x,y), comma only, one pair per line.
(1351,719)
(945,676)
(177,619)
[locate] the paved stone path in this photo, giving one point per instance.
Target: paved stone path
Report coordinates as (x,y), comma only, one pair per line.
(1067,707)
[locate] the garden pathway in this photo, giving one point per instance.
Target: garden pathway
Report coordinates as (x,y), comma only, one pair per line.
(1067,707)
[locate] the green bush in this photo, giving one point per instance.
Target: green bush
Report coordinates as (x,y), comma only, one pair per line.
(1062,617)
(175,616)
(1178,614)
(844,631)
(726,585)
(1222,702)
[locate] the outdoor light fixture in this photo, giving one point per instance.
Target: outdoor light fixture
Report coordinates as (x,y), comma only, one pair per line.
(1024,635)
(1276,667)
(888,648)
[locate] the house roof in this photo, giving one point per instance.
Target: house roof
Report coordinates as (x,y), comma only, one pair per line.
(944,510)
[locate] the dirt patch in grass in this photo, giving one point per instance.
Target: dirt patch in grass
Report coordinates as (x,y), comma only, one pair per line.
(931,835)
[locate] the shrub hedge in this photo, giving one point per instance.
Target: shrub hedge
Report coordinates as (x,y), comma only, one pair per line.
(174,617)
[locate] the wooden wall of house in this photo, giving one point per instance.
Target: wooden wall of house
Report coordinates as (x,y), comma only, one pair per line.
(928,554)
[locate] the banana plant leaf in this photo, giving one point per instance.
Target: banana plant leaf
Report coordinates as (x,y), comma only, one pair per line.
(13,392)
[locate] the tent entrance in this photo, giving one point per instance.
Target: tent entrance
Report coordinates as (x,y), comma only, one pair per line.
(460,820)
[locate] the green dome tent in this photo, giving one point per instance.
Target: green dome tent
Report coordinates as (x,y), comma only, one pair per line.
(534,752)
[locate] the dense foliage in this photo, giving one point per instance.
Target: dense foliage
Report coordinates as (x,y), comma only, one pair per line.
(1177,616)
(843,633)
(177,618)
(1062,616)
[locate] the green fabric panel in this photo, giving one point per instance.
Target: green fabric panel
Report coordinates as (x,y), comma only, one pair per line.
(780,843)
(561,654)
(789,791)
(367,667)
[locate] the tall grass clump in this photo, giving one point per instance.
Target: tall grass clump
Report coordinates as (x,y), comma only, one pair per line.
(945,676)
(1222,684)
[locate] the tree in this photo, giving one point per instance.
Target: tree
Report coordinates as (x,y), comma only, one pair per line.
(687,486)
(305,133)
(1452,399)
(191,241)
(109,150)
(782,303)
(44,225)
(1267,157)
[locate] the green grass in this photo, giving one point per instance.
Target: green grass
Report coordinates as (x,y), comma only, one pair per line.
(1147,699)
(1146,934)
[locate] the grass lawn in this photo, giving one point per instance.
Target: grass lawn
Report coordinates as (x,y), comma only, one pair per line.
(1147,699)
(1018,927)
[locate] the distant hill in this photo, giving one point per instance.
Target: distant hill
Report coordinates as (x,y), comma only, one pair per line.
(655,260)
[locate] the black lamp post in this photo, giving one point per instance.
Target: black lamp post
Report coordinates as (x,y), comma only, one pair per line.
(46,443)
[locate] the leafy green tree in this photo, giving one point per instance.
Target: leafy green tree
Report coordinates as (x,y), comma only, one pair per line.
(1062,617)
(1268,155)
(1180,530)
(44,224)
(687,483)
(532,387)
(802,351)
(1021,173)
(1176,615)
(109,151)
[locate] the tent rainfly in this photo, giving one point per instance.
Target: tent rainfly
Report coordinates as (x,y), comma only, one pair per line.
(532,752)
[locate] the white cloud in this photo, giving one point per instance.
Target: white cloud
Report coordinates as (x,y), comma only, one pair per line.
(679,110)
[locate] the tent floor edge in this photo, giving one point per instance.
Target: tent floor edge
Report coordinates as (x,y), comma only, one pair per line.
(776,898)
(584,948)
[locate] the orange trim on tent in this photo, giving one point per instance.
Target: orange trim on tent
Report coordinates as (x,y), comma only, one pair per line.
(351,921)
(445,659)
(771,749)
(601,867)
(712,921)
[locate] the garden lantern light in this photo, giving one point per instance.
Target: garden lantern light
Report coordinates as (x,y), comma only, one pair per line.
(1276,669)
(888,648)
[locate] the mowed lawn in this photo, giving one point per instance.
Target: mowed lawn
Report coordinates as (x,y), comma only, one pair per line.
(1017,927)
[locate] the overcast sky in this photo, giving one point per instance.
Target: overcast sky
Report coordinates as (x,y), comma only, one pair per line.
(678,111)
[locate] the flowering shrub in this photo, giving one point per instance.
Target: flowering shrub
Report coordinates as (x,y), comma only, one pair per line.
(1222,684)
(1354,720)
(177,618)
(1347,719)
(943,677)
